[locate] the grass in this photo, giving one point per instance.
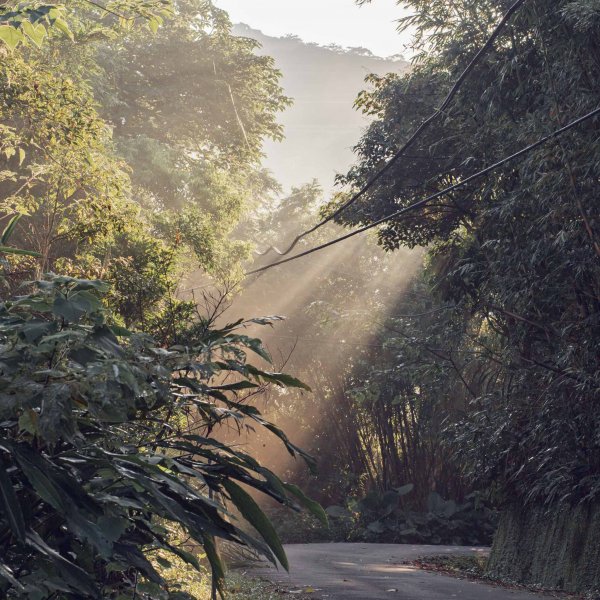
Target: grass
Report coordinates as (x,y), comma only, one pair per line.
(465,566)
(245,587)
(239,585)
(242,587)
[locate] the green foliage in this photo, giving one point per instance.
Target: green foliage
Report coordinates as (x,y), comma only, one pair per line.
(383,518)
(377,349)
(188,175)
(31,22)
(141,275)
(112,456)
(196,86)
(192,140)
(6,235)
(515,255)
(106,439)
(304,528)
(57,165)
(387,518)
(191,107)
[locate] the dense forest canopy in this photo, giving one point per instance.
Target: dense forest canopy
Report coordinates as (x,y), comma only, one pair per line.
(445,364)
(514,255)
(110,390)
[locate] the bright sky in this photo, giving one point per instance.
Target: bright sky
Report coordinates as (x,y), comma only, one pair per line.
(341,22)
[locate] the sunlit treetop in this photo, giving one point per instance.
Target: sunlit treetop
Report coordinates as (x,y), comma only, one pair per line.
(33,22)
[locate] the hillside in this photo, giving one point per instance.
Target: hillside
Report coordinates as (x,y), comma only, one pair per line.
(322,126)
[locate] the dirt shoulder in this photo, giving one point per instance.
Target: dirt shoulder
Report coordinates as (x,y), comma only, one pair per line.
(472,568)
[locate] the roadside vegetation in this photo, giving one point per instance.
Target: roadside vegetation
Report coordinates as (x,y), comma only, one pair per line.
(478,370)
(435,373)
(112,388)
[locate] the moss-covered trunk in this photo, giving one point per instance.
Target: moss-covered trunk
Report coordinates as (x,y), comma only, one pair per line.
(556,548)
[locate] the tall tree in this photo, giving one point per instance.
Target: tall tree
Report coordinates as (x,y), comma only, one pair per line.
(518,251)
(191,107)
(58,163)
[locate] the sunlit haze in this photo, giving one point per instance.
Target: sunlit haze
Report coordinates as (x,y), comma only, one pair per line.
(341,22)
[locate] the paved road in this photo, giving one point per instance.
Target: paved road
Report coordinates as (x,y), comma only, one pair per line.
(376,572)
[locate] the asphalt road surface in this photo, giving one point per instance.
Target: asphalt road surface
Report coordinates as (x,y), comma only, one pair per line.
(376,572)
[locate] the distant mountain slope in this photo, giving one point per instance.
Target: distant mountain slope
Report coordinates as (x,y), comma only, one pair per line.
(322,125)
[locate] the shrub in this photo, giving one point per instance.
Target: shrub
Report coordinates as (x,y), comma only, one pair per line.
(105,443)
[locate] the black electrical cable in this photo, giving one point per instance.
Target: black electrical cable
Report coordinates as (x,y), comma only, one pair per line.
(407,145)
(443,192)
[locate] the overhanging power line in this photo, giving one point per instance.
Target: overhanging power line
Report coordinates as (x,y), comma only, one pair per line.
(444,192)
(415,136)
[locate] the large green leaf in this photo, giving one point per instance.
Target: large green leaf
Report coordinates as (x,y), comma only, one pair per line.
(405,489)
(34,329)
(279,379)
(216,564)
(74,576)
(257,518)
(10,36)
(9,250)
(36,32)
(8,230)
(314,507)
(8,575)
(41,479)
(9,503)
(75,306)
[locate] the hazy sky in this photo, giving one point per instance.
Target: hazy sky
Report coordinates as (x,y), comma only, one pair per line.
(324,21)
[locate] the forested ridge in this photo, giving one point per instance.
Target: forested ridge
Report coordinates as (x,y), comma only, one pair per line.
(438,314)
(321,126)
